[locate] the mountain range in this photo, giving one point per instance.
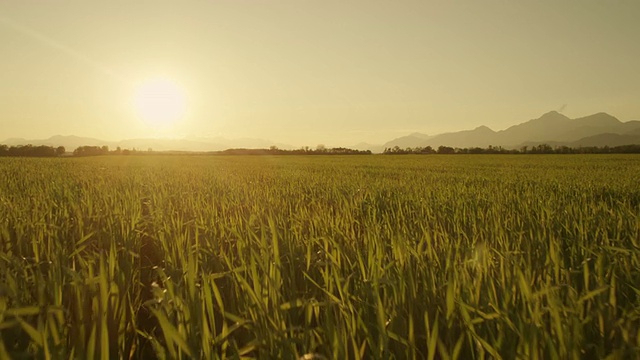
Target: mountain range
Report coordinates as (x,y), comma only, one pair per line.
(552,128)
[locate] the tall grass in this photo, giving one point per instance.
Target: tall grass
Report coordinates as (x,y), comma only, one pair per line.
(441,257)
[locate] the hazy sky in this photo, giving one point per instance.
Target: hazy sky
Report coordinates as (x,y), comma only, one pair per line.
(308,72)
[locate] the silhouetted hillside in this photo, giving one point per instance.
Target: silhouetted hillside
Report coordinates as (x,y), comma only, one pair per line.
(551,128)
(411,140)
(607,140)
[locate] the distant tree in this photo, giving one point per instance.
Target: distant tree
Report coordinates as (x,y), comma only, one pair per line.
(425,150)
(445,150)
(542,149)
(60,150)
(91,150)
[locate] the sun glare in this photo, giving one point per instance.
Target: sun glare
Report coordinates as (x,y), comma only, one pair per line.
(159,102)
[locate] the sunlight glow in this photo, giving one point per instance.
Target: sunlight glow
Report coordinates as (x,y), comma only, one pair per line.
(159,102)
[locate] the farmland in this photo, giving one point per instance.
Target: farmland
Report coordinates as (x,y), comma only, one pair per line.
(462,256)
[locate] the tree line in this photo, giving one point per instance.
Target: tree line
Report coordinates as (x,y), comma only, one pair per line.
(537,149)
(50,151)
(32,151)
(273,150)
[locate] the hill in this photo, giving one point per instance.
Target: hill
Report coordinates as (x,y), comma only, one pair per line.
(552,128)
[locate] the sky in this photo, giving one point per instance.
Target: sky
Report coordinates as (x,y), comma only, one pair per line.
(311,72)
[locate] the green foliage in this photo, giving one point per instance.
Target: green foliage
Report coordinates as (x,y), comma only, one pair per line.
(320,257)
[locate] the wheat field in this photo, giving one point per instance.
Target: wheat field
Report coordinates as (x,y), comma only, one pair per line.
(336,257)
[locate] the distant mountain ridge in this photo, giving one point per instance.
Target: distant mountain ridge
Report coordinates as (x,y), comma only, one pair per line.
(551,128)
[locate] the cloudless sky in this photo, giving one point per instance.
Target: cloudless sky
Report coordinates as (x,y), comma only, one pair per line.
(308,72)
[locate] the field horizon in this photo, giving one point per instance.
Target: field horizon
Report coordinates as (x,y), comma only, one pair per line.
(551,128)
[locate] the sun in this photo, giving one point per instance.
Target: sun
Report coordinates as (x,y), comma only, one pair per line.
(159,102)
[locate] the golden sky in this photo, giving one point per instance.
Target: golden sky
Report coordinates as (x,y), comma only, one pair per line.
(307,72)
